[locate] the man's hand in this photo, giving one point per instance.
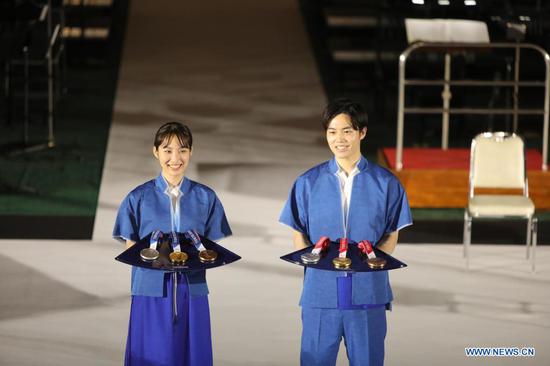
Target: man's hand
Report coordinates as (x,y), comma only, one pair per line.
(388,242)
(300,240)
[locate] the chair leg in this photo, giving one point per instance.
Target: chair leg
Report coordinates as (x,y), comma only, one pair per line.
(464,234)
(528,240)
(467,236)
(534,243)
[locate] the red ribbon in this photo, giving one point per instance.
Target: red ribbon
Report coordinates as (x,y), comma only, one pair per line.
(323,243)
(365,246)
(343,245)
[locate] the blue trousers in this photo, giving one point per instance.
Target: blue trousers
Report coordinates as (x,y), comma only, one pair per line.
(363,331)
(363,328)
(155,340)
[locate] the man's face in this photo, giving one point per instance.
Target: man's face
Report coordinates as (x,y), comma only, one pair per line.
(173,158)
(343,140)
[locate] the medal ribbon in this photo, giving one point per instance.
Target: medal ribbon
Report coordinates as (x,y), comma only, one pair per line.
(343,248)
(175,242)
(155,237)
(321,245)
(193,236)
(365,247)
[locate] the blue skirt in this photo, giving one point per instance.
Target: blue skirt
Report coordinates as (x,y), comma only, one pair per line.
(154,339)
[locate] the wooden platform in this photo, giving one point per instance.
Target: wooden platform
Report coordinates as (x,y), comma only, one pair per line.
(434,178)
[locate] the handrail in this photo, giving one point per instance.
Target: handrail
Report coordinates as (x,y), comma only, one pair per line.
(435,110)
(436,82)
(447,111)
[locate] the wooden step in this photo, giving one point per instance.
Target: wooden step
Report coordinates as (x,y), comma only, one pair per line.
(448,188)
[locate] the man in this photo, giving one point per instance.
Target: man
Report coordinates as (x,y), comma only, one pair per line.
(345,197)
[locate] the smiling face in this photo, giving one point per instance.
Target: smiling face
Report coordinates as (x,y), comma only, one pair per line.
(173,158)
(343,140)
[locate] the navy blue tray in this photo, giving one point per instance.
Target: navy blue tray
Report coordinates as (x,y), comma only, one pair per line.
(131,256)
(358,260)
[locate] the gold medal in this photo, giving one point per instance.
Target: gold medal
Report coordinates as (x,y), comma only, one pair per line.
(149,254)
(341,263)
(208,256)
(178,257)
(376,263)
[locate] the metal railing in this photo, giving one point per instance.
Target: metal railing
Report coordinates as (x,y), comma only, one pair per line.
(446,82)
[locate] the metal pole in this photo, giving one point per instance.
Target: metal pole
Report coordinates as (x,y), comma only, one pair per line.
(26,97)
(400,112)
(446,95)
(534,244)
(516,91)
(51,141)
(546,111)
(52,35)
(49,57)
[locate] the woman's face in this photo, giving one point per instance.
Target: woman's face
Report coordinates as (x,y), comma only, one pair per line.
(173,159)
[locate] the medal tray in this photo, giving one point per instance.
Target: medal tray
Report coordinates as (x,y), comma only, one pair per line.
(132,256)
(358,260)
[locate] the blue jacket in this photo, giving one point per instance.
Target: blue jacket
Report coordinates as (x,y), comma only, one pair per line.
(148,208)
(378,206)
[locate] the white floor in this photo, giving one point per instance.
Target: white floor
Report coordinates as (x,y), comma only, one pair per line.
(254,109)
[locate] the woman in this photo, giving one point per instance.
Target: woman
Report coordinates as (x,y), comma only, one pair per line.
(170,202)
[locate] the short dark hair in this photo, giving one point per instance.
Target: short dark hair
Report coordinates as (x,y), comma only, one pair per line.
(171,129)
(353,109)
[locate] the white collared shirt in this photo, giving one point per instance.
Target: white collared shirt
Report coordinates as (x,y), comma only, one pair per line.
(174,192)
(346,184)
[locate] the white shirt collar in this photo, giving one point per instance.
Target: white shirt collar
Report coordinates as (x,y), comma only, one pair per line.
(342,173)
(171,190)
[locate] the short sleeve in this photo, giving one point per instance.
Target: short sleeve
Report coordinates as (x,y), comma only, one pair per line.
(126,224)
(398,214)
(294,211)
(217,226)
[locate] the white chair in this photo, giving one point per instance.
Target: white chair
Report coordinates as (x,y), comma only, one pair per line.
(497,160)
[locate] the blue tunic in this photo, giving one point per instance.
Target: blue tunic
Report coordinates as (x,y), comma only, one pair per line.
(148,208)
(333,304)
(378,206)
(153,338)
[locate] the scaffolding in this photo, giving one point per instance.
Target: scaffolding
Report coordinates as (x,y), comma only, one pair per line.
(447,83)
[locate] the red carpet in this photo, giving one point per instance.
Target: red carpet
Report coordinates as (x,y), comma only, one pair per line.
(435,158)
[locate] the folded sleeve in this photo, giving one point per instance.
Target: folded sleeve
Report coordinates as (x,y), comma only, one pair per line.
(398,213)
(126,224)
(217,226)
(294,212)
